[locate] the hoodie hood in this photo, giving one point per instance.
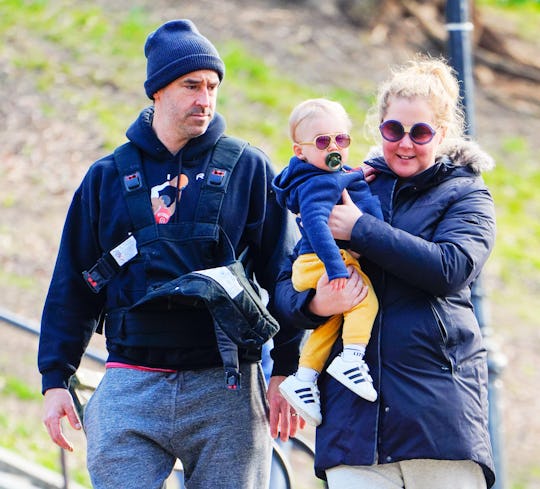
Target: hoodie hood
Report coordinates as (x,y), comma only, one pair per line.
(455,152)
(288,180)
(143,136)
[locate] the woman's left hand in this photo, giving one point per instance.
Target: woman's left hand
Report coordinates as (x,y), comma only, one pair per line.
(343,217)
(327,301)
(369,173)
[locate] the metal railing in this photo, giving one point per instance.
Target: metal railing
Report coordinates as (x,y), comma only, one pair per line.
(282,476)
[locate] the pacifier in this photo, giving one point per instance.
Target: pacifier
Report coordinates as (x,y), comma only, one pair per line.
(333,161)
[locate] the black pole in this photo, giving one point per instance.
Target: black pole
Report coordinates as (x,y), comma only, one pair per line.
(460,57)
(63,462)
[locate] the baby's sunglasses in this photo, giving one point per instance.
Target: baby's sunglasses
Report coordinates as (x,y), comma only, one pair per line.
(321,142)
(393,131)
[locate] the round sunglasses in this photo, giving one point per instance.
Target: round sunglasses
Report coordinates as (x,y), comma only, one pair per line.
(393,131)
(321,142)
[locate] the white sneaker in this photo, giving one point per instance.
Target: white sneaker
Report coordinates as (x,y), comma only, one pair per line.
(353,375)
(303,397)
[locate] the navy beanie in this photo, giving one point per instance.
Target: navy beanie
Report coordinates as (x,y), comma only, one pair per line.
(175,49)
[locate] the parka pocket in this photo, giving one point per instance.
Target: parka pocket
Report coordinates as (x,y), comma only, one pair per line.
(445,339)
(440,324)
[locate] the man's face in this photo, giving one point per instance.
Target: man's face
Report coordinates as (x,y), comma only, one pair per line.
(187,105)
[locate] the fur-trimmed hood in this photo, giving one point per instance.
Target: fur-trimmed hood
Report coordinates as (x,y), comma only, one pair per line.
(460,152)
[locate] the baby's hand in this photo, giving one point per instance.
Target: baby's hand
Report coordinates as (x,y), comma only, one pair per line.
(338,283)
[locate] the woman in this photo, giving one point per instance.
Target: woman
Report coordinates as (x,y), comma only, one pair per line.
(428,427)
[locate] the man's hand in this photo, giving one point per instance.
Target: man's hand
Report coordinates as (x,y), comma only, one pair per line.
(59,403)
(283,420)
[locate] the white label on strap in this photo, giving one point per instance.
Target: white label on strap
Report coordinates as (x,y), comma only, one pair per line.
(224,277)
(125,251)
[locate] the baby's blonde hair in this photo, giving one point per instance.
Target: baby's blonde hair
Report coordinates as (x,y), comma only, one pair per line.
(315,107)
(431,79)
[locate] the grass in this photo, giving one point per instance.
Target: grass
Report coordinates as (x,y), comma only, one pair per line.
(513,5)
(15,387)
(524,15)
(514,190)
(94,59)
(13,280)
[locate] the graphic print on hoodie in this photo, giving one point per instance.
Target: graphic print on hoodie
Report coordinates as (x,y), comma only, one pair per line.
(165,196)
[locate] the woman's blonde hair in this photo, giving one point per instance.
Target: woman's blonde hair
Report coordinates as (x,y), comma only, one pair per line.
(315,107)
(431,79)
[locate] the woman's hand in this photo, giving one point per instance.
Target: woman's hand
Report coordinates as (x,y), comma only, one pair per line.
(327,301)
(343,218)
(369,173)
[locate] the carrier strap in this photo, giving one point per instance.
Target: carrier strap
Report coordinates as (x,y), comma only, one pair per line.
(127,158)
(135,191)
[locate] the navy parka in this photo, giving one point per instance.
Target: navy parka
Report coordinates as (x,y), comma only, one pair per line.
(98,221)
(426,352)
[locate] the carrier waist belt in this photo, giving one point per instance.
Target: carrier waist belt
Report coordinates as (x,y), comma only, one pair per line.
(157,329)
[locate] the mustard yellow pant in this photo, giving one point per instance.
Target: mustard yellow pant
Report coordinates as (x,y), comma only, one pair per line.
(357,323)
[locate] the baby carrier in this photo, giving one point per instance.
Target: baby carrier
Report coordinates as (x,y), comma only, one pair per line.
(239,315)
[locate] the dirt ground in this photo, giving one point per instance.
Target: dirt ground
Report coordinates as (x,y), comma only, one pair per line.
(43,160)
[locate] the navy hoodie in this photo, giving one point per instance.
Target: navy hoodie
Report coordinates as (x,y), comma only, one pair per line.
(98,221)
(312,193)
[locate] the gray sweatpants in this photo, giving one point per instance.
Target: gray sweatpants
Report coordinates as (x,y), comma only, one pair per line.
(138,423)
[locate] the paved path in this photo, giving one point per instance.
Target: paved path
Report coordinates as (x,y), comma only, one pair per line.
(13,481)
(18,473)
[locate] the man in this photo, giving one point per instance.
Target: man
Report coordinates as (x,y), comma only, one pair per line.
(163,395)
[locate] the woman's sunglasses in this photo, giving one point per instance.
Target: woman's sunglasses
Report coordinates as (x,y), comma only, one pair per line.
(321,142)
(420,133)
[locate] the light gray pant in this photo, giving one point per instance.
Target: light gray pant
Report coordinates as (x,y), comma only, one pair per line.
(138,423)
(409,474)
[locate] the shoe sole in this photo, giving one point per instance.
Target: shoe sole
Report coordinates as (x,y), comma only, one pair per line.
(351,385)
